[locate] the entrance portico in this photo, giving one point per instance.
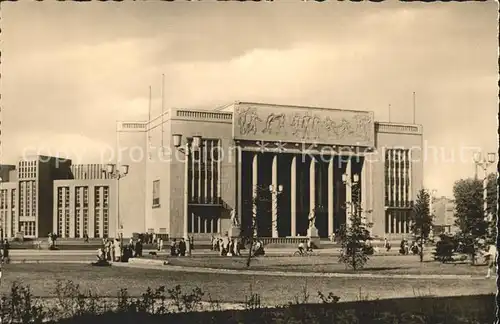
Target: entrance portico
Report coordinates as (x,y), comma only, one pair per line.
(312,154)
(311,182)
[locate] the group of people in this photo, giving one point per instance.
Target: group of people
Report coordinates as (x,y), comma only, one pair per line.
(308,247)
(112,250)
(179,248)
(227,246)
(405,247)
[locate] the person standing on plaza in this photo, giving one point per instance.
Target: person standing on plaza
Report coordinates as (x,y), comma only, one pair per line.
(182,247)
(173,248)
(5,251)
(118,250)
(160,244)
(491,258)
(387,245)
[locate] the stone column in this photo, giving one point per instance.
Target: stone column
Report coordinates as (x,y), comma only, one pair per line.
(312,184)
(348,191)
(312,231)
(255,180)
(330,196)
(274,196)
(293,196)
(364,190)
(235,230)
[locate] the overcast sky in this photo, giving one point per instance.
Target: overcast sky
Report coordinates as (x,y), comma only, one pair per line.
(70,70)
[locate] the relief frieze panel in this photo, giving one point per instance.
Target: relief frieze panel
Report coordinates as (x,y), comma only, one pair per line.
(296,124)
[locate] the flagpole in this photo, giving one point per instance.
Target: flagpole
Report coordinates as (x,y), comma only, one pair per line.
(389,113)
(414,106)
(162,108)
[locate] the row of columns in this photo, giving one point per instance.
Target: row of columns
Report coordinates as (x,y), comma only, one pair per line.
(293,184)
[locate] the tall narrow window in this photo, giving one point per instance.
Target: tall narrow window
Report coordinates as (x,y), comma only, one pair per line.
(156,193)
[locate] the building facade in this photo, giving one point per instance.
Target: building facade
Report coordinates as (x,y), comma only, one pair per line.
(85,206)
(444,215)
(248,151)
(42,195)
(27,195)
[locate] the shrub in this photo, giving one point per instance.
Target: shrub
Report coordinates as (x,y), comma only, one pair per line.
(444,249)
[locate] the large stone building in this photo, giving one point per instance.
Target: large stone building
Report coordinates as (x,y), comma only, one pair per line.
(444,215)
(280,163)
(202,172)
(26,195)
(45,195)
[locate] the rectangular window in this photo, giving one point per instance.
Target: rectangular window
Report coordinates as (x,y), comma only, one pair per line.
(78,214)
(78,197)
(97,224)
(106,197)
(85,221)
(66,223)
(156,193)
(85,197)
(97,197)
(105,223)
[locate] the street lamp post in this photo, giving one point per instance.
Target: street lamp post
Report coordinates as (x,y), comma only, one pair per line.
(275,191)
(432,193)
(484,162)
(117,172)
(187,150)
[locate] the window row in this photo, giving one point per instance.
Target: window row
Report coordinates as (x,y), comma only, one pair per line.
(397,221)
(398,178)
(203,224)
(82,222)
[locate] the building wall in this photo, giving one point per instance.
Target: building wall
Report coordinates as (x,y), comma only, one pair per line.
(393,136)
(77,205)
(209,125)
(8,207)
(132,151)
(6,172)
(158,169)
(88,171)
(49,170)
(444,212)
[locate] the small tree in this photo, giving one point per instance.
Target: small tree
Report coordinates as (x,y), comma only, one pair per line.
(421,220)
(250,235)
(355,238)
(469,215)
(444,249)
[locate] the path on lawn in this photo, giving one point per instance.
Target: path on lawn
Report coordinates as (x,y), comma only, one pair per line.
(274,273)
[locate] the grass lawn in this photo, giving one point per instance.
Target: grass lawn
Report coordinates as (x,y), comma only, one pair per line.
(377,264)
(106,281)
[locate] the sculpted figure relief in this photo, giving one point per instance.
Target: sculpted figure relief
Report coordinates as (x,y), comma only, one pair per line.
(338,129)
(305,126)
(362,125)
(275,124)
(247,121)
